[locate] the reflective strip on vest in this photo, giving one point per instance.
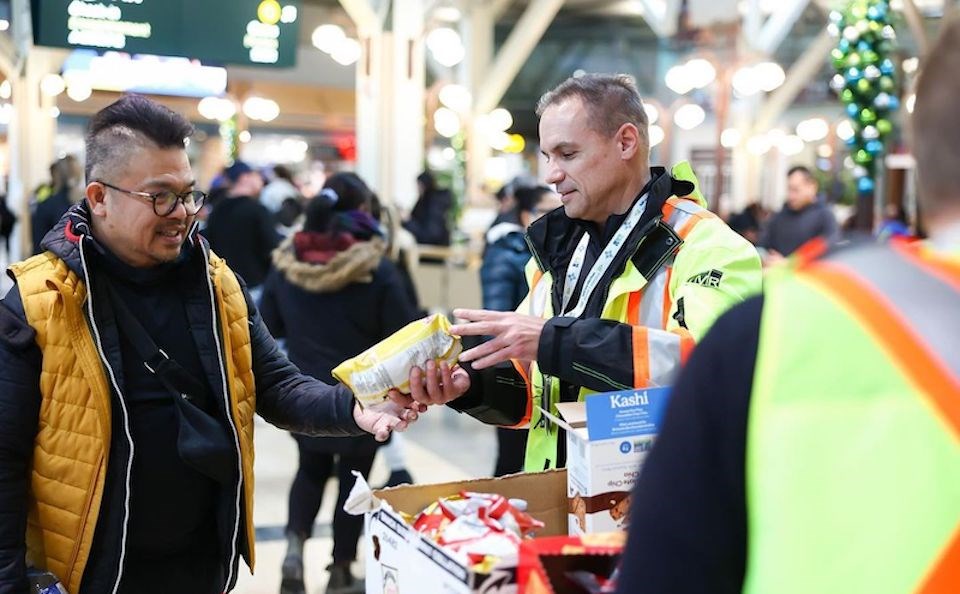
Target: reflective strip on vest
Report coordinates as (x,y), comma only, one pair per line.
(853,450)
(657,356)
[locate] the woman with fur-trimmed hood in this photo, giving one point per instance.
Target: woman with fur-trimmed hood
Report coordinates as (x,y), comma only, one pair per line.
(332,294)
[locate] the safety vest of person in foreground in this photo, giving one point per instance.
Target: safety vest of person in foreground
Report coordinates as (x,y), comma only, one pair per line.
(853,447)
(681,268)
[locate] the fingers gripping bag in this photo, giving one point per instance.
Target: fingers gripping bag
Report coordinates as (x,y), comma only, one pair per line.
(386,365)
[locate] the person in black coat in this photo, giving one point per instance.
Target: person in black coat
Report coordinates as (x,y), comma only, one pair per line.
(504,284)
(241,230)
(65,174)
(332,294)
(428,220)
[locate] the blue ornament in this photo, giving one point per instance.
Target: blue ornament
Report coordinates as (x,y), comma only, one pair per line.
(863,46)
(853,110)
(874,147)
(865,185)
(886,66)
(836,17)
(894,103)
(852,141)
(876,13)
(844,45)
(854,74)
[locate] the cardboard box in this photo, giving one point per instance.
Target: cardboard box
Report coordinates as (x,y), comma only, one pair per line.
(545,562)
(608,437)
(400,561)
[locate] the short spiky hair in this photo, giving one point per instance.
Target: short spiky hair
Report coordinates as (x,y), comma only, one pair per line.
(132,120)
(612,100)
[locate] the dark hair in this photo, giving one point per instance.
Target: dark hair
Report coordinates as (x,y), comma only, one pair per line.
(611,100)
(132,120)
(528,198)
(283,172)
(805,171)
(429,182)
(935,131)
(341,192)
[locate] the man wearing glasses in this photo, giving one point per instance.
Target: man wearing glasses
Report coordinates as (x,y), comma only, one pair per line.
(131,364)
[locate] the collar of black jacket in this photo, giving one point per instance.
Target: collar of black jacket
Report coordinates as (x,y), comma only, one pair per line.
(551,238)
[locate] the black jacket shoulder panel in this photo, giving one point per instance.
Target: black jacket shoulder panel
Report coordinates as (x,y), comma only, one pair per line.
(14,329)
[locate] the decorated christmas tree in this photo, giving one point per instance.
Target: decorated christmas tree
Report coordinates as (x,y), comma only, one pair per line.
(866,81)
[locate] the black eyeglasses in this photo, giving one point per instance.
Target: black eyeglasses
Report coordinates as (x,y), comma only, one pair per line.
(165,202)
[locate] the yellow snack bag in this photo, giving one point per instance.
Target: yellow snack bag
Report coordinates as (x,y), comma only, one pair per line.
(386,365)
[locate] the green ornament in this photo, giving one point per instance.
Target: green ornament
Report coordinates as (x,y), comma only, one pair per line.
(874,27)
(853,60)
(862,157)
(859,11)
(886,84)
(870,57)
(846,96)
(884,127)
(864,86)
(868,116)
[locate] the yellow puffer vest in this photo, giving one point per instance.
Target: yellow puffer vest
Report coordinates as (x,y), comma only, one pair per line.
(73,436)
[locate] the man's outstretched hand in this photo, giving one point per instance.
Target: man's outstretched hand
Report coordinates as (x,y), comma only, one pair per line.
(514,336)
(434,384)
(383,418)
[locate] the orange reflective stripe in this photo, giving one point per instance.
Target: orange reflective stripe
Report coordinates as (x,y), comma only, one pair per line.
(668,207)
(810,251)
(687,342)
(522,370)
(633,308)
(641,357)
(945,270)
(695,218)
(922,367)
(667,302)
(537,275)
(946,573)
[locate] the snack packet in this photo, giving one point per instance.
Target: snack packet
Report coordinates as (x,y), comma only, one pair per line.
(484,527)
(386,365)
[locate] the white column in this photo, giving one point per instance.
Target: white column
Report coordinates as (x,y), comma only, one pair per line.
(31,135)
(406,103)
(390,103)
(477,33)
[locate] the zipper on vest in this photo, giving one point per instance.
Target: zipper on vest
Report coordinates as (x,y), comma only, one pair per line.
(533,252)
(66,579)
(230,420)
(123,409)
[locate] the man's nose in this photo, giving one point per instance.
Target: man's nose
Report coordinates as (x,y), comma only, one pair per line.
(555,175)
(179,212)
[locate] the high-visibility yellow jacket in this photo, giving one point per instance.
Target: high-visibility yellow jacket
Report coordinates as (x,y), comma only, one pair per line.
(853,442)
(681,267)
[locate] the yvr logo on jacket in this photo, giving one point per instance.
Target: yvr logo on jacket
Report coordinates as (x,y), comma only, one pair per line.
(706,279)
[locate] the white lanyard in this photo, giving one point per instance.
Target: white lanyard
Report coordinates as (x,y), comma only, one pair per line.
(599,268)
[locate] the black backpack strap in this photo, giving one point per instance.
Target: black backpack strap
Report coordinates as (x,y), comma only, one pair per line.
(170,373)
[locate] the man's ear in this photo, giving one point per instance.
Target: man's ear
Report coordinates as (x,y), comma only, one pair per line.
(96,195)
(628,141)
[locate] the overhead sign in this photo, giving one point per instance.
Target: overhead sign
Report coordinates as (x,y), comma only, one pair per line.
(257,32)
(152,75)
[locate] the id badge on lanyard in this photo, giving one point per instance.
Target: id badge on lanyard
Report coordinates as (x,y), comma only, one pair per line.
(600,267)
